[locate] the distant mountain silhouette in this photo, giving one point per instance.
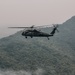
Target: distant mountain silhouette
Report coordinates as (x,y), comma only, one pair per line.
(55,56)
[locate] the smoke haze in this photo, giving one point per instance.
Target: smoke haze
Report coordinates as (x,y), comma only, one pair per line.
(37,72)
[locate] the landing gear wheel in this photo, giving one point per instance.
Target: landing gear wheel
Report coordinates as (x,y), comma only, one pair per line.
(48,38)
(26,37)
(31,37)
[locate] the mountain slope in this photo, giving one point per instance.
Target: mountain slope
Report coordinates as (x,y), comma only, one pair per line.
(54,56)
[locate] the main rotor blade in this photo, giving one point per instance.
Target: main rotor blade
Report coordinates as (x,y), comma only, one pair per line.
(37,27)
(18,27)
(43,26)
(23,27)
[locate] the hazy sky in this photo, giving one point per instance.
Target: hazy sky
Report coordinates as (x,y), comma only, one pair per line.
(38,12)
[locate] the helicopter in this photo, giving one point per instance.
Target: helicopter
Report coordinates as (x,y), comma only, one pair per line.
(33,32)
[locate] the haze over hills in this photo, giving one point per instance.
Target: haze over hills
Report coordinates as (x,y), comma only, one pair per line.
(40,56)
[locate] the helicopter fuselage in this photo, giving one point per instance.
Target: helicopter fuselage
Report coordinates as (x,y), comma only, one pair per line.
(35,33)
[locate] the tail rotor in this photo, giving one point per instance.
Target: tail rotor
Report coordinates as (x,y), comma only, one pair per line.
(55,27)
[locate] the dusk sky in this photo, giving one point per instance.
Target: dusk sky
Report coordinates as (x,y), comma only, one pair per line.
(33,12)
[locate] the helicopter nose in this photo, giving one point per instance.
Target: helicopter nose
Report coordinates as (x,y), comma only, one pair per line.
(23,33)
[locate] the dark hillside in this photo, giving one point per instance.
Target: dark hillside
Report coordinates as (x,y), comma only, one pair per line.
(55,56)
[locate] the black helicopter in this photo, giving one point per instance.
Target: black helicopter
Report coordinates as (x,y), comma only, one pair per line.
(33,32)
